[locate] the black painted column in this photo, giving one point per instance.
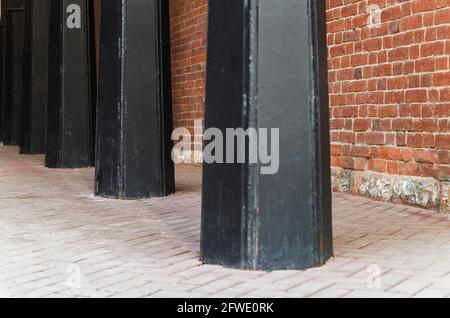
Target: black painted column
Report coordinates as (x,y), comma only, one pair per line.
(71,85)
(134,119)
(2,63)
(267,68)
(13,72)
(34,112)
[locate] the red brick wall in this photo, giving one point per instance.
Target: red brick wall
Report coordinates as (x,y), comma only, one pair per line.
(389,86)
(188,20)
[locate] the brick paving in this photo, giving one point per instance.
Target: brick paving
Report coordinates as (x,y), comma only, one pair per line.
(58,240)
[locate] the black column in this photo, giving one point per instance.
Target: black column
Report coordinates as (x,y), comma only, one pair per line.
(34,110)
(134,119)
(267,69)
(13,72)
(71,85)
(2,63)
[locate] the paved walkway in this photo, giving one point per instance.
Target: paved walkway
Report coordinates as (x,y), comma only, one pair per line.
(58,240)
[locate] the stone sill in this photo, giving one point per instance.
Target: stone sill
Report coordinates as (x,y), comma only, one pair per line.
(418,191)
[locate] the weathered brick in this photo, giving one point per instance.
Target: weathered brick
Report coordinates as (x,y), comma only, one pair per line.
(389,85)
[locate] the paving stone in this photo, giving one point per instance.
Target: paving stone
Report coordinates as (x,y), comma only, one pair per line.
(52,226)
